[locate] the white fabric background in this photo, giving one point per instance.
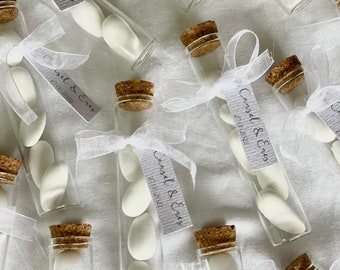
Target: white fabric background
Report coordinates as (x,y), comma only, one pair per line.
(220,196)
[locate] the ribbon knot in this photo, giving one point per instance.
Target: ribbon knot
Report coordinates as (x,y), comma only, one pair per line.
(322,95)
(236,75)
(152,136)
(32,49)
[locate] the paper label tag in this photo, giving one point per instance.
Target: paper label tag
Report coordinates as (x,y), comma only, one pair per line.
(251,128)
(165,191)
(331,117)
(65,4)
(69,91)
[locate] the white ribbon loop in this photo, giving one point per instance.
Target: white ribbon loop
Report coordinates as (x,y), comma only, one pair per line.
(320,98)
(17,225)
(242,75)
(91,143)
(32,49)
(335,265)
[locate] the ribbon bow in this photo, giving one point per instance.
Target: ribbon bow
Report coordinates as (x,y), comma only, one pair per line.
(321,96)
(236,75)
(152,136)
(32,49)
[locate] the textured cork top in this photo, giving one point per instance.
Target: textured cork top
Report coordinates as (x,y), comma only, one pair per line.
(302,262)
(62,230)
(287,75)
(201,38)
(9,168)
(213,236)
(134,95)
(8,11)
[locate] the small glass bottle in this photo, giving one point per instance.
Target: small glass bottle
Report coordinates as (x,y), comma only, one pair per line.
(126,38)
(274,192)
(293,6)
(9,169)
(71,246)
(191,4)
(303,262)
(140,240)
(218,245)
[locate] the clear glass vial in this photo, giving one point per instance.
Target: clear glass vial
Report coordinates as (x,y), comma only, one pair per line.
(71,246)
(303,262)
(275,195)
(9,168)
(124,37)
(293,6)
(140,239)
(218,246)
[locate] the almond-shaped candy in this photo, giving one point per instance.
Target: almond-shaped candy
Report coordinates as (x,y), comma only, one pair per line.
(24,82)
(278,212)
(142,238)
(274,177)
(222,261)
(66,259)
(53,186)
(118,34)
(3,198)
(237,148)
(31,134)
(139,265)
(41,156)
(89,16)
(226,116)
(318,130)
(14,57)
(336,150)
(136,199)
(129,164)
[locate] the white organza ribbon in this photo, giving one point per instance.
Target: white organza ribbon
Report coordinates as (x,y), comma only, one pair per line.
(17,225)
(321,96)
(201,265)
(156,137)
(235,76)
(264,265)
(32,49)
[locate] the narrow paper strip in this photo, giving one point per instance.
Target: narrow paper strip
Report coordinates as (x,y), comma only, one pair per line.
(251,128)
(69,91)
(331,117)
(165,191)
(65,4)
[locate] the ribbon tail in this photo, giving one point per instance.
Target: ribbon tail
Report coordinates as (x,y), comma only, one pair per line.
(57,60)
(182,104)
(184,160)
(293,133)
(14,99)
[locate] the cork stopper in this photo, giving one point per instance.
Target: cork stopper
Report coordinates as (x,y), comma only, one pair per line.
(8,11)
(134,95)
(287,75)
(9,168)
(70,236)
(302,262)
(214,239)
(201,39)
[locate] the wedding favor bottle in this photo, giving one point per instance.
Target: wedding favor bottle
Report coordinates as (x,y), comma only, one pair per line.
(278,206)
(303,262)
(293,6)
(101,19)
(218,245)
(9,168)
(140,238)
(71,247)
